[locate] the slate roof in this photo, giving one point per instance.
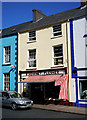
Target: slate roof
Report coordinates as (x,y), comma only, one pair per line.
(48,20)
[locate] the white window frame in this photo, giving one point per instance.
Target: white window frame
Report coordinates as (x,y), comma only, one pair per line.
(56,31)
(31,38)
(6,62)
(30,60)
(56,57)
(5,81)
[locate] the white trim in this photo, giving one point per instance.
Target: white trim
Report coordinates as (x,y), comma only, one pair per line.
(4,55)
(3,81)
(31,41)
(52,55)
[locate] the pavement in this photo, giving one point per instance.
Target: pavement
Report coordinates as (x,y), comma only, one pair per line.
(62,108)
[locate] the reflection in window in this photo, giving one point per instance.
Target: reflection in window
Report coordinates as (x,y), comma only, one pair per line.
(83,89)
(7,54)
(58,55)
(6,81)
(32,58)
(57,30)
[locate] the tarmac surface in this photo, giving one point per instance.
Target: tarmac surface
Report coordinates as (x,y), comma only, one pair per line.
(62,108)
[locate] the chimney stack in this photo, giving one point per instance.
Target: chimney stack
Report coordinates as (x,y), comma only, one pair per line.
(37,15)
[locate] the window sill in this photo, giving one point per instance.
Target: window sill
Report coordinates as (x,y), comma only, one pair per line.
(31,41)
(56,36)
(83,100)
(6,64)
(32,68)
(57,66)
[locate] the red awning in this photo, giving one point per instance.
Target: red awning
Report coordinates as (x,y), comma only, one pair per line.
(45,78)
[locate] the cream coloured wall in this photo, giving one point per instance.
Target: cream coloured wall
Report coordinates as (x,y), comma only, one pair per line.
(43,45)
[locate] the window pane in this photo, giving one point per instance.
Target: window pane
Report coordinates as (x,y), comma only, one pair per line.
(32,58)
(7,54)
(6,81)
(58,55)
(57,30)
(83,89)
(32,35)
(32,63)
(58,33)
(58,51)
(58,61)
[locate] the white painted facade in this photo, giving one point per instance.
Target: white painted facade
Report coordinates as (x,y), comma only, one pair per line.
(80,50)
(79,42)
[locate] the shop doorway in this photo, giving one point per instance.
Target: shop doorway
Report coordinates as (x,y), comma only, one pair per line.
(44,91)
(37,92)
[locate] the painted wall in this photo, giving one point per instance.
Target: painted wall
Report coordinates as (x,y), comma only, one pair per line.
(79,42)
(79,45)
(12,42)
(43,45)
(86,46)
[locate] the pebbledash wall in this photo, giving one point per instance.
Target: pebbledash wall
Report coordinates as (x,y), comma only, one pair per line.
(78,57)
(11,41)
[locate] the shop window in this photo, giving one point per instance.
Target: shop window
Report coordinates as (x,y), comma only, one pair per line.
(32,35)
(83,89)
(57,30)
(7,54)
(58,55)
(32,58)
(6,81)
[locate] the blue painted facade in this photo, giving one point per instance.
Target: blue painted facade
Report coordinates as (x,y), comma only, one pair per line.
(74,70)
(11,41)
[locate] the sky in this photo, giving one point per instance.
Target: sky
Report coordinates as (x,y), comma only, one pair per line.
(14,13)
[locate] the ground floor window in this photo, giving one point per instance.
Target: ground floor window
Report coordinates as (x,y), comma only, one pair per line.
(83,89)
(7,81)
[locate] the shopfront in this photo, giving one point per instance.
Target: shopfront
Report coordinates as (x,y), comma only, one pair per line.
(40,85)
(80,75)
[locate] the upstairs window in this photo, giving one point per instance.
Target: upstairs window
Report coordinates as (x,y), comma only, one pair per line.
(57,30)
(32,58)
(7,54)
(58,55)
(32,35)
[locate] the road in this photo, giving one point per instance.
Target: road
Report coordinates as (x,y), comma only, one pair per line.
(37,113)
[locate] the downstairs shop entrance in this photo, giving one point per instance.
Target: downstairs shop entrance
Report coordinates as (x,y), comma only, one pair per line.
(40,85)
(40,92)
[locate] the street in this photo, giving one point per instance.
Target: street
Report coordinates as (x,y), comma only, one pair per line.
(37,113)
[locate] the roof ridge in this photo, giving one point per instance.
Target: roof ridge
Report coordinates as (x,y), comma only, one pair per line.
(17,25)
(63,12)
